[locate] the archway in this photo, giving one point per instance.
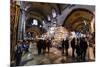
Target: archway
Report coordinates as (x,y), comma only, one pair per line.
(79,20)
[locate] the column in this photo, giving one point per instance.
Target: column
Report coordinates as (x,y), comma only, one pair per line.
(21,25)
(24,25)
(92,25)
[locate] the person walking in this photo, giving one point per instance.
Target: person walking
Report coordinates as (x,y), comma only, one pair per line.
(73,47)
(39,46)
(48,44)
(65,46)
(18,52)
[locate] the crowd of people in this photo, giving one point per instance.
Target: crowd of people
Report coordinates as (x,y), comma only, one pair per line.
(24,46)
(42,44)
(20,49)
(81,48)
(78,45)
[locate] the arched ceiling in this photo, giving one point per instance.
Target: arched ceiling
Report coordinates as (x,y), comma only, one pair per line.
(35,30)
(36,11)
(46,7)
(35,15)
(43,9)
(74,21)
(39,11)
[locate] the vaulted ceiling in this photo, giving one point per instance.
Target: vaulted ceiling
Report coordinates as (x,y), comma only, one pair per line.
(73,21)
(77,19)
(39,10)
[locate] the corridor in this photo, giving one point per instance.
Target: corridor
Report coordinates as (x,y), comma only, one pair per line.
(51,33)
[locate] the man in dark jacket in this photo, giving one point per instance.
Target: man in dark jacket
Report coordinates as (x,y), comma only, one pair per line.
(43,44)
(78,50)
(73,47)
(65,46)
(48,44)
(83,46)
(39,46)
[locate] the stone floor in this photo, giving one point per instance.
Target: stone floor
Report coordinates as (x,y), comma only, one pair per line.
(54,57)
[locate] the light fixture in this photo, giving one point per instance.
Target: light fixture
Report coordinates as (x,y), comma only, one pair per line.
(49,18)
(35,22)
(54,13)
(40,26)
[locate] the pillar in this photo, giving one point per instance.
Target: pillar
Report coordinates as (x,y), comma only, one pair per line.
(21,25)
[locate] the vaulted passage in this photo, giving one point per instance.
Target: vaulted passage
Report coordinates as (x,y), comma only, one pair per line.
(51,33)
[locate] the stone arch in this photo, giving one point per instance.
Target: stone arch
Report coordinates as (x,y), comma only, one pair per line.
(77,15)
